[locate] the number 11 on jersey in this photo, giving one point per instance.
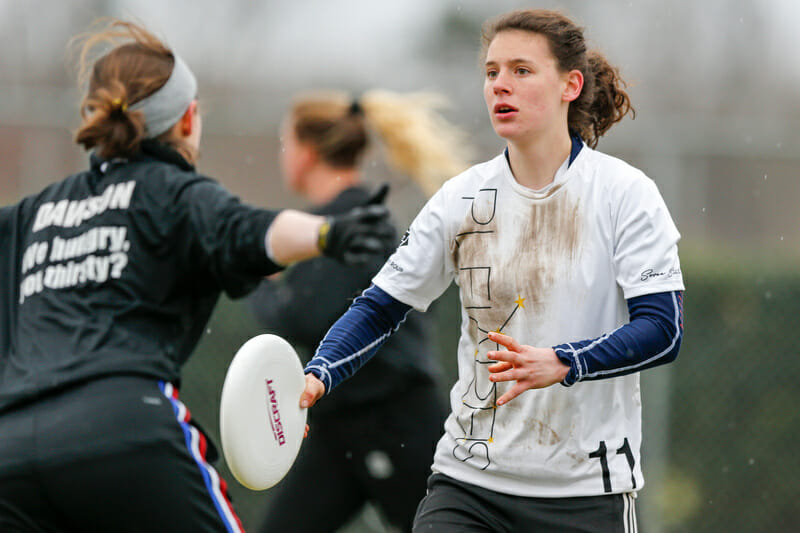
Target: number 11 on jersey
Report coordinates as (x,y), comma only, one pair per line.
(601,453)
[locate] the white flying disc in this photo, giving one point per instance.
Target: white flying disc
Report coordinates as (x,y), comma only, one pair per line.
(261,422)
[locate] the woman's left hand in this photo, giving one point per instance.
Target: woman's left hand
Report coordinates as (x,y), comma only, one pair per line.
(530,367)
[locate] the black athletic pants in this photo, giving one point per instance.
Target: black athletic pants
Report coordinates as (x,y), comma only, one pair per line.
(117,454)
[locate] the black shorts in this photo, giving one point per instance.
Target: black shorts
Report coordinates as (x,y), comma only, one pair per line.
(453,506)
(116,454)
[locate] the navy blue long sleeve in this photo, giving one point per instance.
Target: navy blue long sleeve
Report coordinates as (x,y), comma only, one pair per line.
(651,338)
(356,336)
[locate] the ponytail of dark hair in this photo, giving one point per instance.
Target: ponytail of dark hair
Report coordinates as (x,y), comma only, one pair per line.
(603,101)
(109,125)
(130,71)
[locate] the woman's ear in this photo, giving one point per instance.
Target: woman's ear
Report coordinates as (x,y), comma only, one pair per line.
(307,157)
(188,121)
(574,86)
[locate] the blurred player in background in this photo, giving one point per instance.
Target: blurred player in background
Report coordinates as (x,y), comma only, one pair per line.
(570,284)
(374,439)
(109,278)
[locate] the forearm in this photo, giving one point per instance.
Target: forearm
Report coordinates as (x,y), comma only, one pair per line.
(293,236)
(651,338)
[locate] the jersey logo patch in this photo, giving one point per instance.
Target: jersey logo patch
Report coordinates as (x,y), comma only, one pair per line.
(404,240)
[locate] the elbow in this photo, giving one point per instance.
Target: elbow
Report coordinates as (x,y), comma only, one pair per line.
(672,354)
(671,335)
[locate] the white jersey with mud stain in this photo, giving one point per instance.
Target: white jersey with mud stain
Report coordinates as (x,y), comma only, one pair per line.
(546,267)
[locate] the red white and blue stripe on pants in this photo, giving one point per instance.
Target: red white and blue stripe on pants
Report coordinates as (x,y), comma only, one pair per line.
(196,444)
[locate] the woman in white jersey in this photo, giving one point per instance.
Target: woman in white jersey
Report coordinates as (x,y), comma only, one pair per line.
(570,284)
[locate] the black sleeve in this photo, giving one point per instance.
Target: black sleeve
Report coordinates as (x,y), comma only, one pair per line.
(5,226)
(228,236)
(7,279)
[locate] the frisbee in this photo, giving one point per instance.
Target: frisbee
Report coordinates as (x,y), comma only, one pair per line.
(261,422)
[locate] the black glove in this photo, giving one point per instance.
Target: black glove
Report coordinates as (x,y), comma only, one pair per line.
(362,236)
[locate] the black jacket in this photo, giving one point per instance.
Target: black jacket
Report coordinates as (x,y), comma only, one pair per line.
(116,270)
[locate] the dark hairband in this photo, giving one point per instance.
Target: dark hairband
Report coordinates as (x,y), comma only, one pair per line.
(355,108)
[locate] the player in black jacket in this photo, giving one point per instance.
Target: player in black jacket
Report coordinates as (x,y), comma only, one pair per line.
(372,441)
(108,280)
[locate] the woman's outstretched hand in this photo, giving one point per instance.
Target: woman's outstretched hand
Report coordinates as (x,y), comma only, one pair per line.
(313,391)
(530,367)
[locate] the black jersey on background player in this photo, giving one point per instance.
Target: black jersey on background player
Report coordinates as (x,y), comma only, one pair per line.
(374,440)
(308,298)
(364,446)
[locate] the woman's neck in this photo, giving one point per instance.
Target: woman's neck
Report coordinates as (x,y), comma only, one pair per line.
(534,164)
(324,183)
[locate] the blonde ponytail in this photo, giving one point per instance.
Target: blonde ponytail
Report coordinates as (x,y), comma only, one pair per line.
(419,141)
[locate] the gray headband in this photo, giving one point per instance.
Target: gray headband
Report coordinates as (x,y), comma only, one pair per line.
(163,108)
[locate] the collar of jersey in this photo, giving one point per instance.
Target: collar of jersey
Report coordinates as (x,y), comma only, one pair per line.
(562,174)
(151,149)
